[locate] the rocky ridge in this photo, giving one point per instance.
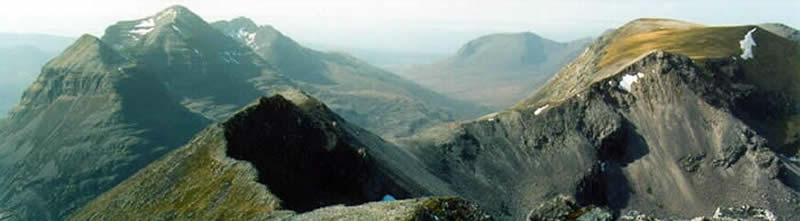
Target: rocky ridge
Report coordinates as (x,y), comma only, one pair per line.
(256,154)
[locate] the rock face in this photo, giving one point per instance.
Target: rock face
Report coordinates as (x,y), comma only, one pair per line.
(276,159)
(672,134)
(106,108)
(365,95)
(498,70)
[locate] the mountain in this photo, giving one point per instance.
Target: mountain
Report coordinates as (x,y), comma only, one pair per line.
(106,108)
(82,127)
(18,68)
(281,158)
(47,43)
(370,97)
(499,69)
(663,117)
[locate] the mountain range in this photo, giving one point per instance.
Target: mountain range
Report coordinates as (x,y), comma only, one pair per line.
(107,107)
(497,70)
(651,122)
(169,117)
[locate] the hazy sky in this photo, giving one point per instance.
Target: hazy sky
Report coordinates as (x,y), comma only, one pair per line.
(407,25)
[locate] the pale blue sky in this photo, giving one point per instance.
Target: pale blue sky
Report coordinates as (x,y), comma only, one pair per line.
(408,25)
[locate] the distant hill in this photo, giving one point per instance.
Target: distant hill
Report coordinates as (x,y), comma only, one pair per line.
(47,43)
(391,60)
(497,70)
(21,58)
(18,68)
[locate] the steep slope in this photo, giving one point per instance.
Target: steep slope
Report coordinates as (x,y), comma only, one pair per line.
(659,116)
(277,157)
(18,68)
(499,69)
(81,128)
(368,96)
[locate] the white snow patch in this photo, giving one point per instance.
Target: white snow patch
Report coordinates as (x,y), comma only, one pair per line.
(144,27)
(147,23)
(628,80)
(248,37)
(539,110)
(747,45)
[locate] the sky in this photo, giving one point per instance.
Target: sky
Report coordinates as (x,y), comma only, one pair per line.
(433,26)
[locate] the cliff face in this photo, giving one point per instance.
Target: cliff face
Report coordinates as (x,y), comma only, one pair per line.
(276,159)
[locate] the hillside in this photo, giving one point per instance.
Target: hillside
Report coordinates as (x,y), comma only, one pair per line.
(660,117)
(370,97)
(497,70)
(281,158)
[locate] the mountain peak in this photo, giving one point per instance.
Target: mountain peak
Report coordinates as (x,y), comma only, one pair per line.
(83,52)
(176,20)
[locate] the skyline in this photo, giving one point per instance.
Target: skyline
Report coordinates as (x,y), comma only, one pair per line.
(415,25)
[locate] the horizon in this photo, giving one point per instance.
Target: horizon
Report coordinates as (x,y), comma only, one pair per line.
(409,26)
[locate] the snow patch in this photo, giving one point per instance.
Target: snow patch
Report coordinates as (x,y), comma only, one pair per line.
(747,45)
(144,27)
(248,37)
(628,80)
(539,110)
